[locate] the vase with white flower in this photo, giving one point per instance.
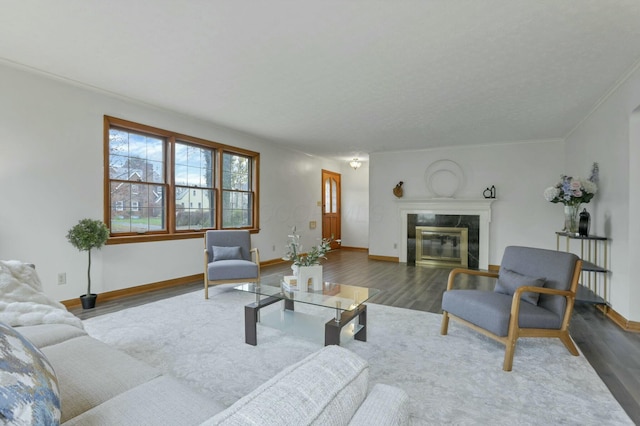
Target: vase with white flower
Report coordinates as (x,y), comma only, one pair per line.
(572,192)
(306,266)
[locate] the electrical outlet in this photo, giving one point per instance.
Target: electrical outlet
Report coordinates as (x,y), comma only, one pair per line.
(395,245)
(274,247)
(62,278)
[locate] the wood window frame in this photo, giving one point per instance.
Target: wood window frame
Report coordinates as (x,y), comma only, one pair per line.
(171,233)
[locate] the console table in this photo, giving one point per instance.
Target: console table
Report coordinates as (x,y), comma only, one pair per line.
(594,252)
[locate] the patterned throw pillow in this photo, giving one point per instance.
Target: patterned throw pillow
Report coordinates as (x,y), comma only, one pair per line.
(28,385)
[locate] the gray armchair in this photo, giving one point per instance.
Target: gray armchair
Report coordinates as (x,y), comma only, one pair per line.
(534,297)
(227,258)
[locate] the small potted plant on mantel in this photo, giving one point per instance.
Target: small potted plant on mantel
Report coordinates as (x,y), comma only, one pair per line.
(88,234)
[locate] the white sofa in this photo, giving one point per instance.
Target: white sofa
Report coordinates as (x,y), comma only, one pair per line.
(100,385)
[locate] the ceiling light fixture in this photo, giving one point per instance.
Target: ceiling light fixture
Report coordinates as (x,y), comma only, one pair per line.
(355,163)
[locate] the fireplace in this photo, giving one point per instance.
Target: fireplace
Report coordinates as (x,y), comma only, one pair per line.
(454,223)
(473,214)
(442,246)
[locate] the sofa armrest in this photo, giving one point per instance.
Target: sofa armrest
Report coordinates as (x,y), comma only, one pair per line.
(385,405)
(326,387)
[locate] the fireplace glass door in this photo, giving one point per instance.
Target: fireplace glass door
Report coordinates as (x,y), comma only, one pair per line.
(442,246)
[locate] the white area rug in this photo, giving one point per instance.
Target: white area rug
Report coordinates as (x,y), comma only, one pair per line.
(454,379)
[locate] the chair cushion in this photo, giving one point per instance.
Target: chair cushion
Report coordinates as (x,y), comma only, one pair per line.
(492,311)
(226,253)
(557,267)
(229,238)
(509,281)
(234,269)
(28,385)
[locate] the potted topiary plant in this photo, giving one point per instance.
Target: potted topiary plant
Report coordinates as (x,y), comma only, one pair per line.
(84,236)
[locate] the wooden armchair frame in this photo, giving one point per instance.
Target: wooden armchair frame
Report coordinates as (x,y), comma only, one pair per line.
(515,331)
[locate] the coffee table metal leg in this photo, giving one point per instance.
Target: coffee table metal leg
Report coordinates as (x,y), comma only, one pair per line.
(288,305)
(250,321)
(251,315)
(362,320)
(332,328)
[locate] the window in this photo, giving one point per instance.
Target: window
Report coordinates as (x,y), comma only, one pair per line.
(154,179)
(194,169)
(236,192)
(139,158)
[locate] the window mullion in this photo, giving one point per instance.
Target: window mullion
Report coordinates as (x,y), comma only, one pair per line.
(171,183)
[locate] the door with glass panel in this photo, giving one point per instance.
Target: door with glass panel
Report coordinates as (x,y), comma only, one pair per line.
(331,207)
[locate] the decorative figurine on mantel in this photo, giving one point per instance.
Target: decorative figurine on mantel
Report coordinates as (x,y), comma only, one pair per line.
(397,191)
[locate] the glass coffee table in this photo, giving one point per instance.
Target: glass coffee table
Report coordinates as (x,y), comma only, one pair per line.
(345,303)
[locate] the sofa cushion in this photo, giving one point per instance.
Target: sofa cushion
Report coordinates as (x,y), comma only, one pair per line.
(162,400)
(91,372)
(385,406)
(491,311)
(28,385)
(509,281)
(50,334)
(325,388)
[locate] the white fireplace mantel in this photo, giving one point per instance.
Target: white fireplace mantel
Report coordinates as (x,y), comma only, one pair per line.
(452,206)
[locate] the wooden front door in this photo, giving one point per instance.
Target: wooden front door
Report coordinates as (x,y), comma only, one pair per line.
(331,207)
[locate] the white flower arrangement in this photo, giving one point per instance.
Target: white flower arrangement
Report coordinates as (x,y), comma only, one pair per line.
(313,257)
(573,191)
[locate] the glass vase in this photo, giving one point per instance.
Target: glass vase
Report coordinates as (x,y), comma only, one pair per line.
(571,218)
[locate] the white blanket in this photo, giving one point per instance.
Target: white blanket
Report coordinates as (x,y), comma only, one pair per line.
(22,301)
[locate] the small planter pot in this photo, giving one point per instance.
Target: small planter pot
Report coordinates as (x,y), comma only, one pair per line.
(88,301)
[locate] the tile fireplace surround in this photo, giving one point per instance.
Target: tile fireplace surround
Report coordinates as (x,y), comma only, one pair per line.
(450,207)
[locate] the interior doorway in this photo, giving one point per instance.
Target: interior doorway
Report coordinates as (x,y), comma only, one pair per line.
(331,224)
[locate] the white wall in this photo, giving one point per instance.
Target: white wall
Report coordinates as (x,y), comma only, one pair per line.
(51,175)
(520,173)
(610,137)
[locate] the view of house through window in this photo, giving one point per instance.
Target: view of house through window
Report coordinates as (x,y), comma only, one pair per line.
(139,206)
(195,208)
(145,163)
(236,193)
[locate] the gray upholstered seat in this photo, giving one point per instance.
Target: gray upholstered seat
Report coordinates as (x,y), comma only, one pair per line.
(534,297)
(228,258)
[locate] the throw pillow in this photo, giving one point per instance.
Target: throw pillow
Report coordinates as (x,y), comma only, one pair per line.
(509,281)
(226,253)
(28,386)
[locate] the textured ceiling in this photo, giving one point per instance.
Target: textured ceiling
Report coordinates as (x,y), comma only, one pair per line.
(342,78)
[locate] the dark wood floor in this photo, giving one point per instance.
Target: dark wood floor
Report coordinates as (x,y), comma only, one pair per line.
(613,353)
